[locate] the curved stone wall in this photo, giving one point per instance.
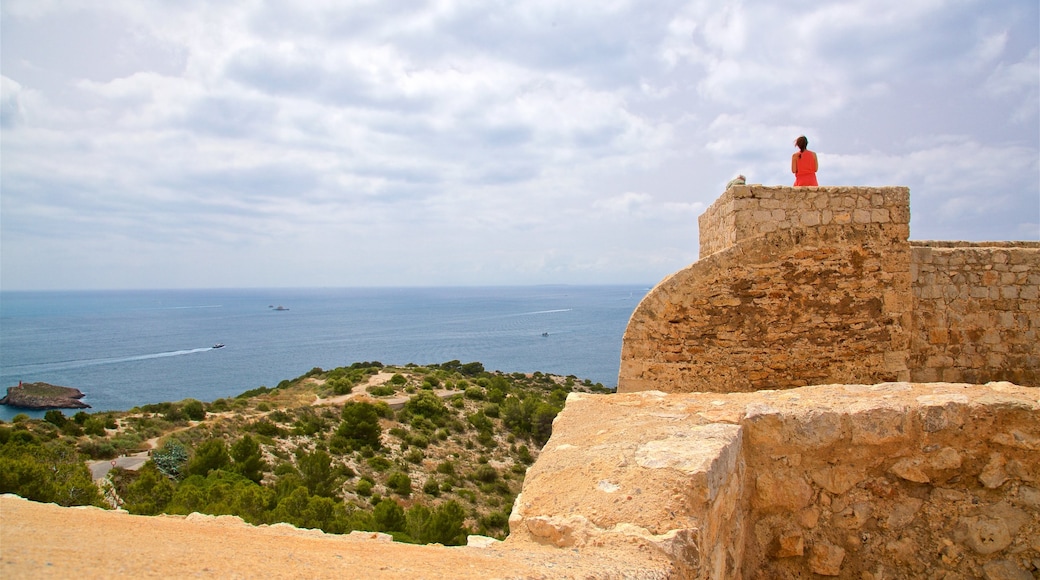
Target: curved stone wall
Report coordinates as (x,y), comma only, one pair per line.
(802,286)
(814,290)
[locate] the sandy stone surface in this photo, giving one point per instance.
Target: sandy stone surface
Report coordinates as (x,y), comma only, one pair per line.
(894,480)
(48,541)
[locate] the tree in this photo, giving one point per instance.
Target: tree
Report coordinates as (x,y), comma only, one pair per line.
(360,424)
(247,459)
(52,473)
(194,410)
(149,493)
(55,417)
(389,516)
(209,456)
(418,523)
(472,369)
(316,469)
(445,526)
(293,508)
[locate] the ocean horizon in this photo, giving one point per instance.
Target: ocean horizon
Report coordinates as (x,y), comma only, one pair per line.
(126,348)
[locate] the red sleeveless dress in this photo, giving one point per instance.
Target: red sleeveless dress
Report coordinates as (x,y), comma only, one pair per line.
(807,166)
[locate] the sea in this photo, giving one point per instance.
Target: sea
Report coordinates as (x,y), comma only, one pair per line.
(125,348)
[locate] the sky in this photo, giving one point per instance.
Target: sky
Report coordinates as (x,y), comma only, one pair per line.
(338,143)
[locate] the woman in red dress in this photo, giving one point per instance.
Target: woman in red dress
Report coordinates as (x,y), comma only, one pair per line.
(804,164)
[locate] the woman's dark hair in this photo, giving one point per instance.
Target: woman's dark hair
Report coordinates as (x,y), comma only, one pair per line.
(801,142)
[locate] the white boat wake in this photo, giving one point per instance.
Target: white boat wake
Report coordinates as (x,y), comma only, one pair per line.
(77,364)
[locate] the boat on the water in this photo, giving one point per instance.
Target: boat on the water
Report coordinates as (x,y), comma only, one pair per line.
(219,345)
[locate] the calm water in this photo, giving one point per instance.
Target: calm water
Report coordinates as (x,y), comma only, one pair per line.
(128,348)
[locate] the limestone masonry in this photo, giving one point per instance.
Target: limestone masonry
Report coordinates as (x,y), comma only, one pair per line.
(895,480)
(815,397)
(802,286)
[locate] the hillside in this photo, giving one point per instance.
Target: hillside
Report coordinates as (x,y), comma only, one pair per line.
(424,453)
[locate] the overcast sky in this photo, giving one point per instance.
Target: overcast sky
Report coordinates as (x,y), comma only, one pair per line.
(157,144)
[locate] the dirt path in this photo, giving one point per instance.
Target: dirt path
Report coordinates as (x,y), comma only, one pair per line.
(358,390)
(361,391)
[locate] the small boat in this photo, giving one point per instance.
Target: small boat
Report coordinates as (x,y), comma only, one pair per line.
(281,308)
(219,345)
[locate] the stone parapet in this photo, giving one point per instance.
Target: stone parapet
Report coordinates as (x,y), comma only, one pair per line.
(748,211)
(894,480)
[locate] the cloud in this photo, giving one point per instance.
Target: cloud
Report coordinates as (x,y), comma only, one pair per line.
(451,141)
(11,113)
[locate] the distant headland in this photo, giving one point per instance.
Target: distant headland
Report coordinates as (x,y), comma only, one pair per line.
(42,396)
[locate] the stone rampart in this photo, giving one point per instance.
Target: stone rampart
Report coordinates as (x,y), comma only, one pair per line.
(894,480)
(801,286)
(976,312)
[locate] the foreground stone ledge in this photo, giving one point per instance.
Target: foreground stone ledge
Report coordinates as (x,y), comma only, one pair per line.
(894,480)
(48,541)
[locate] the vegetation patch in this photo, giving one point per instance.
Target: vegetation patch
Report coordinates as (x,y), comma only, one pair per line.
(444,457)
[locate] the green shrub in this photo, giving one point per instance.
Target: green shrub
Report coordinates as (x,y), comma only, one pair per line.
(417,440)
(523,454)
(381,390)
(265,428)
(484,473)
(248,460)
(363,487)
(431,487)
(446,467)
(399,483)
(425,405)
(379,463)
(72,429)
(316,470)
(194,410)
(219,406)
(97,449)
(55,417)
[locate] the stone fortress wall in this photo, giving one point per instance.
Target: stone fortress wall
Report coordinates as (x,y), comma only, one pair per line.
(976,312)
(821,285)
